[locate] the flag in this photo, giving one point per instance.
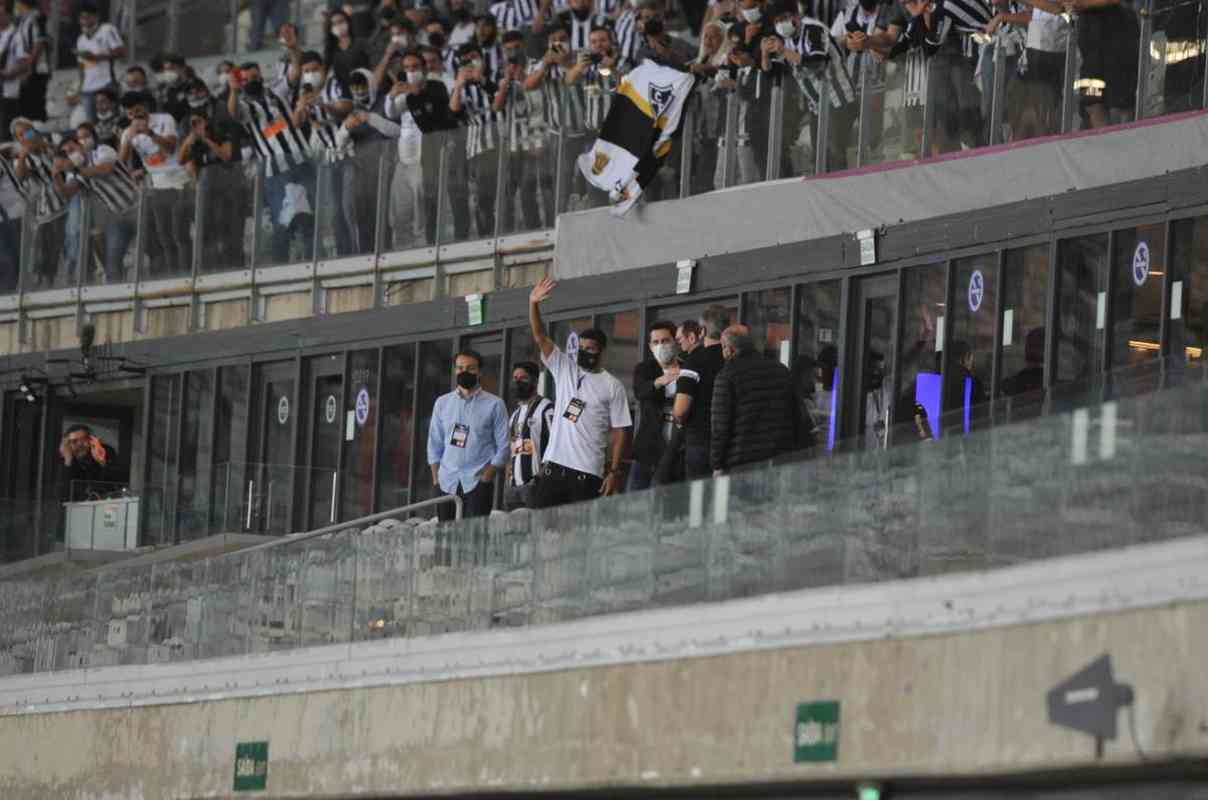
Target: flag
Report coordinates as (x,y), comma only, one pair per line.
(636,135)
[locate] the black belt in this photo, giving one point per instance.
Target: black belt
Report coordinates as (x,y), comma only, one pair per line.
(567,472)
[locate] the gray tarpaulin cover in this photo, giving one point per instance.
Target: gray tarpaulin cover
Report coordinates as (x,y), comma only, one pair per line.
(796,210)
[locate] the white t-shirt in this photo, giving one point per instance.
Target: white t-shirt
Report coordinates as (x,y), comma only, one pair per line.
(105,39)
(165,171)
(582,445)
(1047,32)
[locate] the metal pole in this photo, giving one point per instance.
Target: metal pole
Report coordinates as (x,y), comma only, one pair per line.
(822,132)
(775,130)
(1068,99)
(687,146)
(928,111)
(502,184)
(998,93)
(140,232)
(729,164)
(174,25)
(442,191)
(388,157)
(864,135)
(561,198)
(1143,58)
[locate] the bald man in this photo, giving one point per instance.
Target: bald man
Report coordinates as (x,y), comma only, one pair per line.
(754,407)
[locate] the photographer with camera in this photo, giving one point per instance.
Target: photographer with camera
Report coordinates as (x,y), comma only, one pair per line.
(660,46)
(215,142)
(596,73)
(563,118)
(473,99)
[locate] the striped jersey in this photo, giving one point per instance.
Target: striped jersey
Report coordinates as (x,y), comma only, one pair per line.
(276,141)
(481,119)
(12,191)
(40,186)
(528,434)
(822,67)
(626,36)
(324,126)
(580,29)
(31,29)
(118,191)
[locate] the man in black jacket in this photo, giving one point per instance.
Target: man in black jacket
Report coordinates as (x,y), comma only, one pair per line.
(754,409)
(700,343)
(654,382)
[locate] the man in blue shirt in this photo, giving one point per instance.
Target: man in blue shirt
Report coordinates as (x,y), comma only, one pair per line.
(467,440)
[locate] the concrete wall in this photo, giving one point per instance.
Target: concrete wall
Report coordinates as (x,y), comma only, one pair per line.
(967,703)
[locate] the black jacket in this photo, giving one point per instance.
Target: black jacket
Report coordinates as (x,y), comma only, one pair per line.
(648,441)
(754,412)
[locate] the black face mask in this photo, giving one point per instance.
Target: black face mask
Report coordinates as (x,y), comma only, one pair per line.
(523,389)
(254,88)
(587,360)
(467,380)
(437,40)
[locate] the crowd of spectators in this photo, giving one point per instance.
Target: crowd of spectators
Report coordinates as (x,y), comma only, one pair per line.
(447,85)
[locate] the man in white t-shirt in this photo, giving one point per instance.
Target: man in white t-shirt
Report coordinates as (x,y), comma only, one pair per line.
(154,138)
(591,416)
(98,46)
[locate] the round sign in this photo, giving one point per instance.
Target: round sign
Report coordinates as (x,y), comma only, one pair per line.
(1140,264)
(977,290)
(330,409)
(362,410)
(283,410)
(572,344)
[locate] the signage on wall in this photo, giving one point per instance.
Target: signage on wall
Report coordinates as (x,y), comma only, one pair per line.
(283,410)
(816,734)
(362,407)
(977,290)
(329,410)
(1140,263)
(251,766)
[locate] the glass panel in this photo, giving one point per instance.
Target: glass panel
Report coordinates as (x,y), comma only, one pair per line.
(971,341)
(1139,264)
(867,413)
(817,366)
(398,418)
(530,166)
(896,91)
(708,128)
(414,189)
(226,194)
(953,96)
(111,233)
(348,213)
(1021,373)
(287,236)
(46,265)
(754,98)
(160,492)
(271,487)
(770,317)
(230,441)
(359,422)
(436,378)
(196,454)
(1081,308)
(625,345)
(802,93)
(579,107)
(490,347)
(472,172)
(919,351)
(327,429)
(1174,68)
(1188,332)
(1109,46)
(168,213)
(1034,94)
(326,583)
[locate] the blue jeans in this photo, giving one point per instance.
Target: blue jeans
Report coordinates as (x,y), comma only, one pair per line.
(274,195)
(263,11)
(71,238)
(118,236)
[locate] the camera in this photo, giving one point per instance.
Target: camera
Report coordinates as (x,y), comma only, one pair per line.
(653,27)
(596,58)
(516,59)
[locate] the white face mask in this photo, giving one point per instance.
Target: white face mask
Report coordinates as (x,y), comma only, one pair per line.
(77,158)
(400,40)
(313,78)
(168,77)
(87,143)
(786,28)
(752,15)
(414,77)
(339,31)
(663,353)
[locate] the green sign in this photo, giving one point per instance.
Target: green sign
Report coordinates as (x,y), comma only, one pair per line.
(474,306)
(816,735)
(251,766)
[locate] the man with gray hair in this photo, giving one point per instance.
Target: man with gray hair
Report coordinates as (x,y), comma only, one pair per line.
(699,341)
(754,408)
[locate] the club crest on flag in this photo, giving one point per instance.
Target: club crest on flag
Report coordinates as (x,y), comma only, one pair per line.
(660,98)
(600,162)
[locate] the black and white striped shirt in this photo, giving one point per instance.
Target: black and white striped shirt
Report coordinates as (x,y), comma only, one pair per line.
(32,31)
(953,27)
(40,186)
(513,15)
(493,61)
(481,120)
(626,35)
(118,191)
(12,191)
(822,65)
(564,105)
(580,29)
(520,110)
(275,139)
(529,429)
(324,125)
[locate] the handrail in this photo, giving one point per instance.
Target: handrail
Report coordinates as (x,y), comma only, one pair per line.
(293,538)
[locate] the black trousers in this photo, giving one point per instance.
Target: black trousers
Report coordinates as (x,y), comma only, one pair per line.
(33,97)
(560,485)
(477,503)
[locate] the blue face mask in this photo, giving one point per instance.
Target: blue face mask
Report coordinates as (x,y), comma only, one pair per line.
(29,135)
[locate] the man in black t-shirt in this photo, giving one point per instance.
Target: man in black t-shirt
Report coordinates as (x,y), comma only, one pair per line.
(209,153)
(700,342)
